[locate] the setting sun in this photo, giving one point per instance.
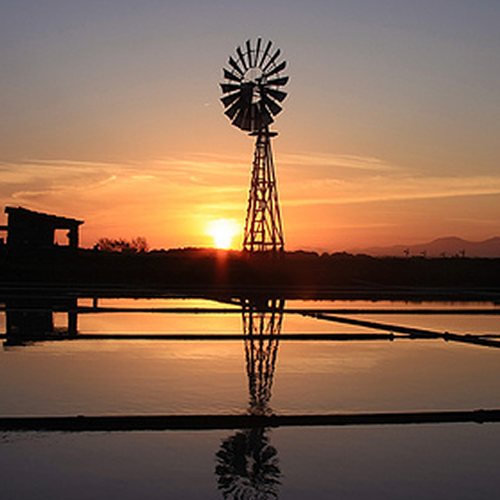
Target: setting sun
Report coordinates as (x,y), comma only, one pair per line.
(223,231)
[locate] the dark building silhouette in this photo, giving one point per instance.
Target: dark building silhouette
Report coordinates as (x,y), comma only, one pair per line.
(29,230)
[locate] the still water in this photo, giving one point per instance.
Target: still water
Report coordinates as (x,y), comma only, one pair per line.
(195,377)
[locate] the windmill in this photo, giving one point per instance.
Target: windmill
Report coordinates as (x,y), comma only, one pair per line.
(251,93)
(247,464)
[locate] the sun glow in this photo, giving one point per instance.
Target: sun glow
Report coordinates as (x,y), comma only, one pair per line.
(223,232)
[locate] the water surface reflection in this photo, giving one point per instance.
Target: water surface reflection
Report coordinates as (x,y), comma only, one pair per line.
(248,466)
(33,318)
(247,463)
(259,374)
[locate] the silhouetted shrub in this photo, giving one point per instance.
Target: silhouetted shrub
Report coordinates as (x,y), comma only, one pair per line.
(135,245)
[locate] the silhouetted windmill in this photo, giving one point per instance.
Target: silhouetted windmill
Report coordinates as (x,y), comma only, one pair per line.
(247,463)
(251,97)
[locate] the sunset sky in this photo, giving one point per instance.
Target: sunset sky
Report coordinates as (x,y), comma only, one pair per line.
(110,113)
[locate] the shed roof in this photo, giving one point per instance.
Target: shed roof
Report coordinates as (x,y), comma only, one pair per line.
(54,220)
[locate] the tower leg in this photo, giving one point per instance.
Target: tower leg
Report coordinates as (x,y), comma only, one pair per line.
(263,227)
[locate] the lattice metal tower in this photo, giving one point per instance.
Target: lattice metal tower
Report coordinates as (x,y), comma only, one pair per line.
(251,96)
(263,227)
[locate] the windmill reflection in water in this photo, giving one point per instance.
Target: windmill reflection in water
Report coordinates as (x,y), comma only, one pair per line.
(247,463)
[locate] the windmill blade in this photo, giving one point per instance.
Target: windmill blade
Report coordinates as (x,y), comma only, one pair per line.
(278,82)
(274,107)
(257,50)
(266,51)
(254,116)
(242,120)
(262,118)
(242,58)
(238,118)
(247,93)
(235,66)
(276,69)
(231,76)
(249,53)
(265,117)
(247,122)
(275,94)
(229,99)
(231,112)
(271,61)
(229,87)
(238,101)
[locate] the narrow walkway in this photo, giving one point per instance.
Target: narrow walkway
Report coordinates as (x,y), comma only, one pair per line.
(414,332)
(82,423)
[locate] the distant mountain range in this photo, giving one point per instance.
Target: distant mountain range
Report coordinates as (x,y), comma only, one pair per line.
(442,247)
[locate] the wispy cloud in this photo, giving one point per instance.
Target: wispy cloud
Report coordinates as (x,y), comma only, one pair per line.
(222,176)
(333,161)
(38,176)
(168,196)
(177,196)
(388,188)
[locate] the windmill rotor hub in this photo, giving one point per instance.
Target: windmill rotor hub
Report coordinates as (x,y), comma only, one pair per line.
(253,75)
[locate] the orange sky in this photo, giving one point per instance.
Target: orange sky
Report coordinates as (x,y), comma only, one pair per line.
(389,134)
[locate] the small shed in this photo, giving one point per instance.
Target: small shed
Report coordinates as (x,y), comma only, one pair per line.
(30,230)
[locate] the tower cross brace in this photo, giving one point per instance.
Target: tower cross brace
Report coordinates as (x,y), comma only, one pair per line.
(263,227)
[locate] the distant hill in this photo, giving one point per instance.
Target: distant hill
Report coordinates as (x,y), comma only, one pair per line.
(442,247)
